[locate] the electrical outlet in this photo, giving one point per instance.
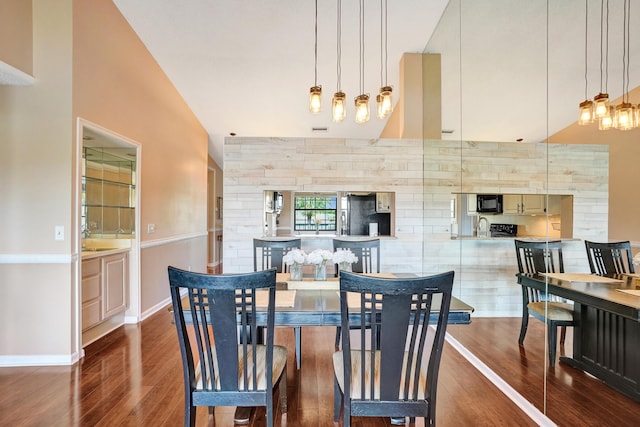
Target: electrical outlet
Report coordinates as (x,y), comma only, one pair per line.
(151,228)
(59,232)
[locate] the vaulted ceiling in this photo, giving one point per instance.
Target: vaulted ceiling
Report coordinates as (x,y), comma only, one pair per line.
(510,68)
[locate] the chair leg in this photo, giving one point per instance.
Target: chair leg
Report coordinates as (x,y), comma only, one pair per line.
(298,334)
(523,326)
(552,331)
(563,334)
(282,388)
(337,399)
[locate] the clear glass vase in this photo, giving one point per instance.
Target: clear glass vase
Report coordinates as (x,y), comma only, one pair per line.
(295,271)
(344,266)
(321,271)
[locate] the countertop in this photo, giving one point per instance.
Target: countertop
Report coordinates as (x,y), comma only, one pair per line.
(323,236)
(100,252)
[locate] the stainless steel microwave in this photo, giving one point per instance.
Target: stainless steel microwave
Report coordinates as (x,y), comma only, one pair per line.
(489,203)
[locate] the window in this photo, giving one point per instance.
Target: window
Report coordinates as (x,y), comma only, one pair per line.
(315,210)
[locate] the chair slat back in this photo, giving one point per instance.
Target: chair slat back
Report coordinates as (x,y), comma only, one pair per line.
(399,310)
(222,311)
(538,257)
(367,251)
(609,258)
(268,253)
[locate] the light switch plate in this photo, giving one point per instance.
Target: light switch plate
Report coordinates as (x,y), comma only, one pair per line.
(151,228)
(59,232)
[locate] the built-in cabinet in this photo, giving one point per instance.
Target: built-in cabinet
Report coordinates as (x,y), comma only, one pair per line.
(383,202)
(524,204)
(105,288)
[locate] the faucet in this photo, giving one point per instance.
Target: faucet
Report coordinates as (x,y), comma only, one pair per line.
(86,233)
(483,226)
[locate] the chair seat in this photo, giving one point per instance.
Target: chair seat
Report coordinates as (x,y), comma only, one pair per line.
(555,311)
(355,371)
(279,362)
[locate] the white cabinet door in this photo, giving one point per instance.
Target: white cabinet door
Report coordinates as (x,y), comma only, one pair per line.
(534,204)
(472,204)
(115,284)
(512,204)
(383,202)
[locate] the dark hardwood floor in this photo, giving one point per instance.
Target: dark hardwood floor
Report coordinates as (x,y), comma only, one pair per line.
(133,377)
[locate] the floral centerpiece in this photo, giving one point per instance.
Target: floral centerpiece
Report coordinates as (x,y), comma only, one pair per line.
(344,258)
(294,259)
(319,258)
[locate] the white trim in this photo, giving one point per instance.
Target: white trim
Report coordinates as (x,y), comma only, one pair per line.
(38,360)
(527,407)
(160,242)
(36,258)
(153,310)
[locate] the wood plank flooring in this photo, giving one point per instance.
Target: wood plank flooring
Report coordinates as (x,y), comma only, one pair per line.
(133,377)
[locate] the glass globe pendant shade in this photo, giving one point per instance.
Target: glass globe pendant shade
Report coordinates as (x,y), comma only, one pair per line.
(385,102)
(586,112)
(315,99)
(625,116)
(601,105)
(606,121)
(339,108)
(362,108)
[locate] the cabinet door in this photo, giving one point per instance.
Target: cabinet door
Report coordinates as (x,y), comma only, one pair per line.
(383,202)
(472,204)
(115,284)
(534,203)
(512,204)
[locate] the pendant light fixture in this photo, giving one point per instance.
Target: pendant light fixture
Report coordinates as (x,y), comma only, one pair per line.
(362,100)
(315,93)
(625,113)
(339,109)
(586,106)
(384,98)
(601,100)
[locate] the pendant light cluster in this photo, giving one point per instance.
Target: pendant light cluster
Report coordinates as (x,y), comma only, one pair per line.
(624,116)
(384,98)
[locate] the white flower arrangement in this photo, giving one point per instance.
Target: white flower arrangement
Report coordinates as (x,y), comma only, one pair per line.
(320,256)
(295,256)
(344,255)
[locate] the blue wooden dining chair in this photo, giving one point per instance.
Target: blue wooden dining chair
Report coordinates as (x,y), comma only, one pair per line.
(400,377)
(222,365)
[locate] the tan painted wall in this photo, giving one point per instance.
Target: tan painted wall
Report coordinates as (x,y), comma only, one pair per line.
(16,34)
(88,63)
(624,173)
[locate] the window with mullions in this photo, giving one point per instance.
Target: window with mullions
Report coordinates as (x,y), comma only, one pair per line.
(313,211)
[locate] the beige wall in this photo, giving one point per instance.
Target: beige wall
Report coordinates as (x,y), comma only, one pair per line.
(16,34)
(88,64)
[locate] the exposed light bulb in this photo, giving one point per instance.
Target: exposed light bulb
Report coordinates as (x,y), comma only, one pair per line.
(315,99)
(586,112)
(339,108)
(362,108)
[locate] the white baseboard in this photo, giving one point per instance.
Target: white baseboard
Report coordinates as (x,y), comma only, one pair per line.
(38,360)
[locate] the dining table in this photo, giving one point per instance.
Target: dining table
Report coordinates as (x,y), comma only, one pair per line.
(606,337)
(310,302)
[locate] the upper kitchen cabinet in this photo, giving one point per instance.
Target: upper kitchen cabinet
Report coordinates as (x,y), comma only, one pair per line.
(383,202)
(524,204)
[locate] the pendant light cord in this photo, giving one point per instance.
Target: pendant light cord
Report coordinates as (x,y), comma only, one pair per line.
(586,25)
(625,52)
(315,80)
(339,46)
(361,47)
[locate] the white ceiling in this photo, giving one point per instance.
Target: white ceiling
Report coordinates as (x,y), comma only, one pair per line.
(246,66)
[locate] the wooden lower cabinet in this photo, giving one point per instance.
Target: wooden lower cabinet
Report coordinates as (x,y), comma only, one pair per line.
(105,288)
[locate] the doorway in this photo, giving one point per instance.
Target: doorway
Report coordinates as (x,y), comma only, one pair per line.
(107,219)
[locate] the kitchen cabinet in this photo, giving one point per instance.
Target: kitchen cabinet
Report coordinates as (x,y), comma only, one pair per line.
(105,288)
(115,273)
(472,204)
(524,204)
(383,202)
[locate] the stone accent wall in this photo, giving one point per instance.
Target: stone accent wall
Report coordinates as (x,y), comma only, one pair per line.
(423,175)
